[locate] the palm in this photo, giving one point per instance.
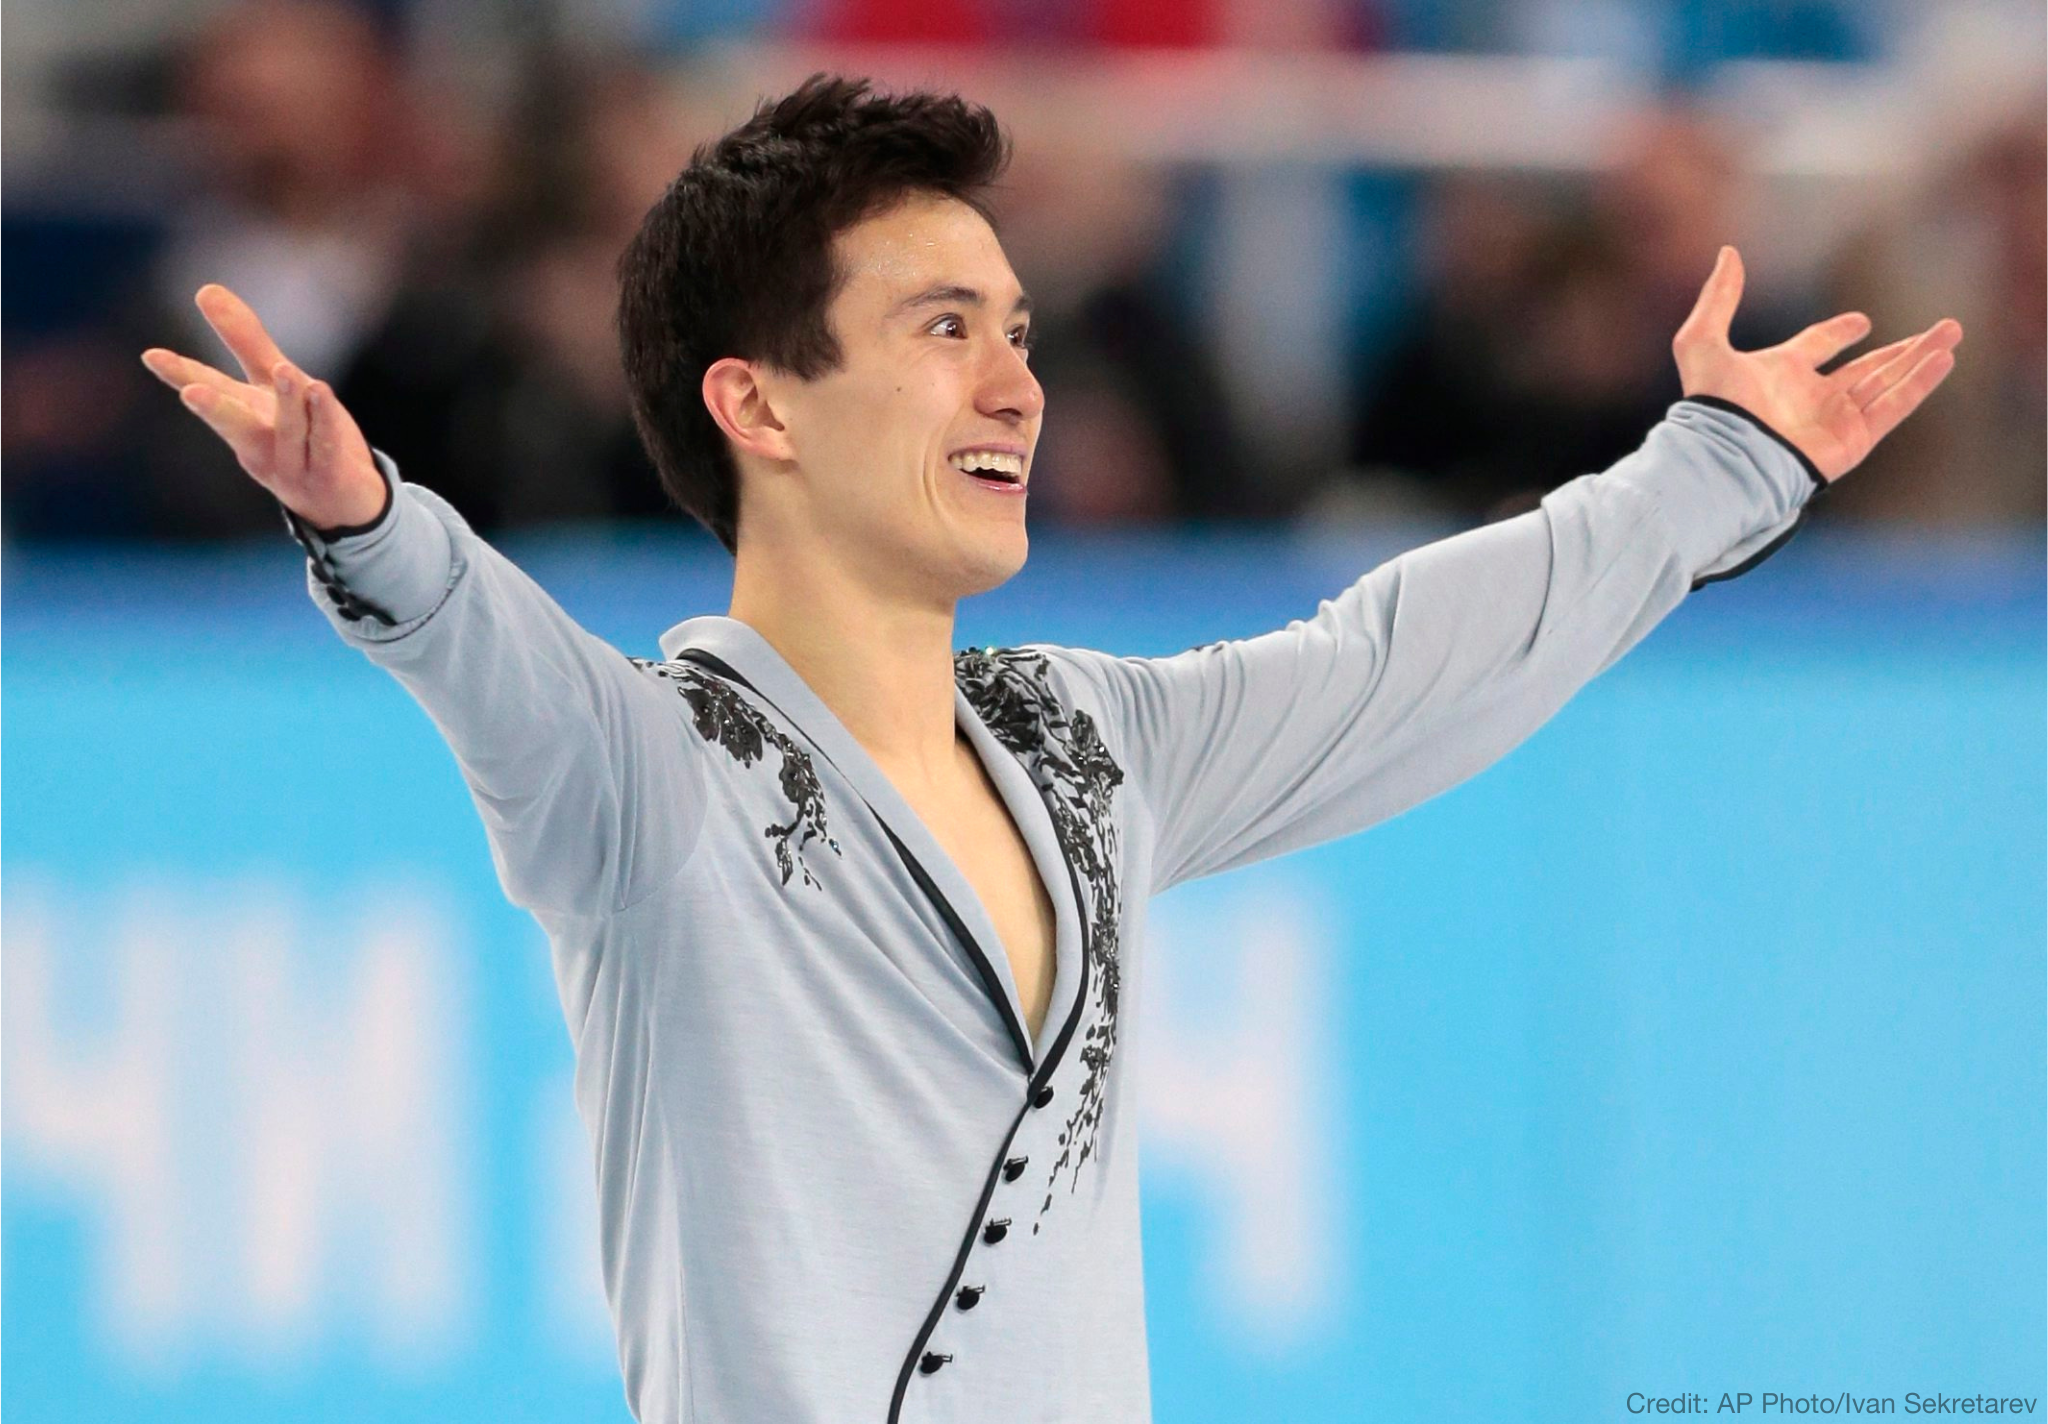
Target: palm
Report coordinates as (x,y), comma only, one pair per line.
(1834,419)
(286,430)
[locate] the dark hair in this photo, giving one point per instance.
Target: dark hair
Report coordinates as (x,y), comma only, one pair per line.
(736,258)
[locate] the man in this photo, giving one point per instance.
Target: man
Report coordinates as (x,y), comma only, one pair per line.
(843,923)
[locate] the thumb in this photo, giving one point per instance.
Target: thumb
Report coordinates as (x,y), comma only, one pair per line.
(1707,326)
(334,445)
(341,476)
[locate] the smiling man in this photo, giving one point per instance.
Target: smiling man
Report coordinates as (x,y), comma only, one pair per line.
(844,924)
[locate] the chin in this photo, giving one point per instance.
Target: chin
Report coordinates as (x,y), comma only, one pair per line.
(992,562)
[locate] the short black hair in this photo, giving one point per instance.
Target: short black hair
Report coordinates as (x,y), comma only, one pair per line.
(736,258)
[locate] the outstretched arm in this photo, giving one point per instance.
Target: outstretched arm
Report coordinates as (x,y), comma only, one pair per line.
(1438,663)
(562,741)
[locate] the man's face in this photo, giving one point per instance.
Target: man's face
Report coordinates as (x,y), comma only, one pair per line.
(931,326)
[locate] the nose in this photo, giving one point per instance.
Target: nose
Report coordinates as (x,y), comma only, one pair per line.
(1008,389)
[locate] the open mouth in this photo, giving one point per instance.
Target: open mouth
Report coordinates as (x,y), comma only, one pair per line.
(1000,469)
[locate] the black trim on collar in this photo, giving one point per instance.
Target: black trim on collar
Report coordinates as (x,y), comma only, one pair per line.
(968,1241)
(982,964)
(1037,1080)
(996,1174)
(1058,1050)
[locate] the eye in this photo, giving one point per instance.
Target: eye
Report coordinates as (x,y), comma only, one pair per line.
(1020,337)
(948,325)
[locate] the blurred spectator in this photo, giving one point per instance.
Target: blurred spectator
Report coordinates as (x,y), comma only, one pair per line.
(1435,410)
(460,302)
(459,290)
(312,205)
(314,185)
(1971,243)
(1541,349)
(1137,424)
(302,108)
(500,386)
(1676,39)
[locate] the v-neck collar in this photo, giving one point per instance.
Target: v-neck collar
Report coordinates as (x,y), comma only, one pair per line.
(751,655)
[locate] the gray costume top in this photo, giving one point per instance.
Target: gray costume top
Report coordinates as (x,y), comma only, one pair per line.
(837,1179)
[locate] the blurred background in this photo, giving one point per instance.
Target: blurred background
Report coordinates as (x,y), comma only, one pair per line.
(1697,1047)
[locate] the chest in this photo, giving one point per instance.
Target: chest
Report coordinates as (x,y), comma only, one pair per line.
(975,829)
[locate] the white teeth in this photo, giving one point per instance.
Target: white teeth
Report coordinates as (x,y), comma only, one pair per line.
(993,461)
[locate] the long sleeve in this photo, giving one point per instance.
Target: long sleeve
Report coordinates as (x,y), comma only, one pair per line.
(578,762)
(1439,662)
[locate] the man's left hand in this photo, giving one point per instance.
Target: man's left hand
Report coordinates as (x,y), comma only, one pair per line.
(1836,419)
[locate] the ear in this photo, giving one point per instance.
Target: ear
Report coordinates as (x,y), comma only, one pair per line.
(740,405)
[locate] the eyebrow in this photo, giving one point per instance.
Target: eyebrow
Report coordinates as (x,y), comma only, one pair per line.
(954,294)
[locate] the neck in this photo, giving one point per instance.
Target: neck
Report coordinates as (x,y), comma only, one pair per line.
(881,660)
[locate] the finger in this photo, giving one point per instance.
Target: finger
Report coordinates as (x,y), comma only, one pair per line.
(289,384)
(1718,299)
(235,423)
(1825,340)
(1883,415)
(1853,371)
(179,372)
(1944,335)
(238,327)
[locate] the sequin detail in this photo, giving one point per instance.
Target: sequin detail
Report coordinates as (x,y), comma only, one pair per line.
(727,719)
(1010,689)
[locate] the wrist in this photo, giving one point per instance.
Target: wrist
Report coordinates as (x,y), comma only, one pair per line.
(1806,463)
(342,522)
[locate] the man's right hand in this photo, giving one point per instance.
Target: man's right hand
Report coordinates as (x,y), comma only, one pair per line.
(287,430)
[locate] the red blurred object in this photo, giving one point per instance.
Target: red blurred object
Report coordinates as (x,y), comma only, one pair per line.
(905,21)
(1175,24)
(1118,24)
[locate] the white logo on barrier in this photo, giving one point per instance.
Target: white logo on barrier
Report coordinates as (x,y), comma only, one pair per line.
(252,1103)
(1233,1084)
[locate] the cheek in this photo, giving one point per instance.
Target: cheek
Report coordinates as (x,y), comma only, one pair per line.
(911,418)
(840,437)
(880,443)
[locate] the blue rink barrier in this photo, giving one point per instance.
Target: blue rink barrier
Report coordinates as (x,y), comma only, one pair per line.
(1696,1048)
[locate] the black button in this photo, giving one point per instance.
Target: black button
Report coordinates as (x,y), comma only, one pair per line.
(930,1363)
(1014,1168)
(996,1230)
(969,1296)
(1042,1097)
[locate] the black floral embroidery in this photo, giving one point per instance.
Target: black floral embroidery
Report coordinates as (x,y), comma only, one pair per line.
(1010,691)
(725,717)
